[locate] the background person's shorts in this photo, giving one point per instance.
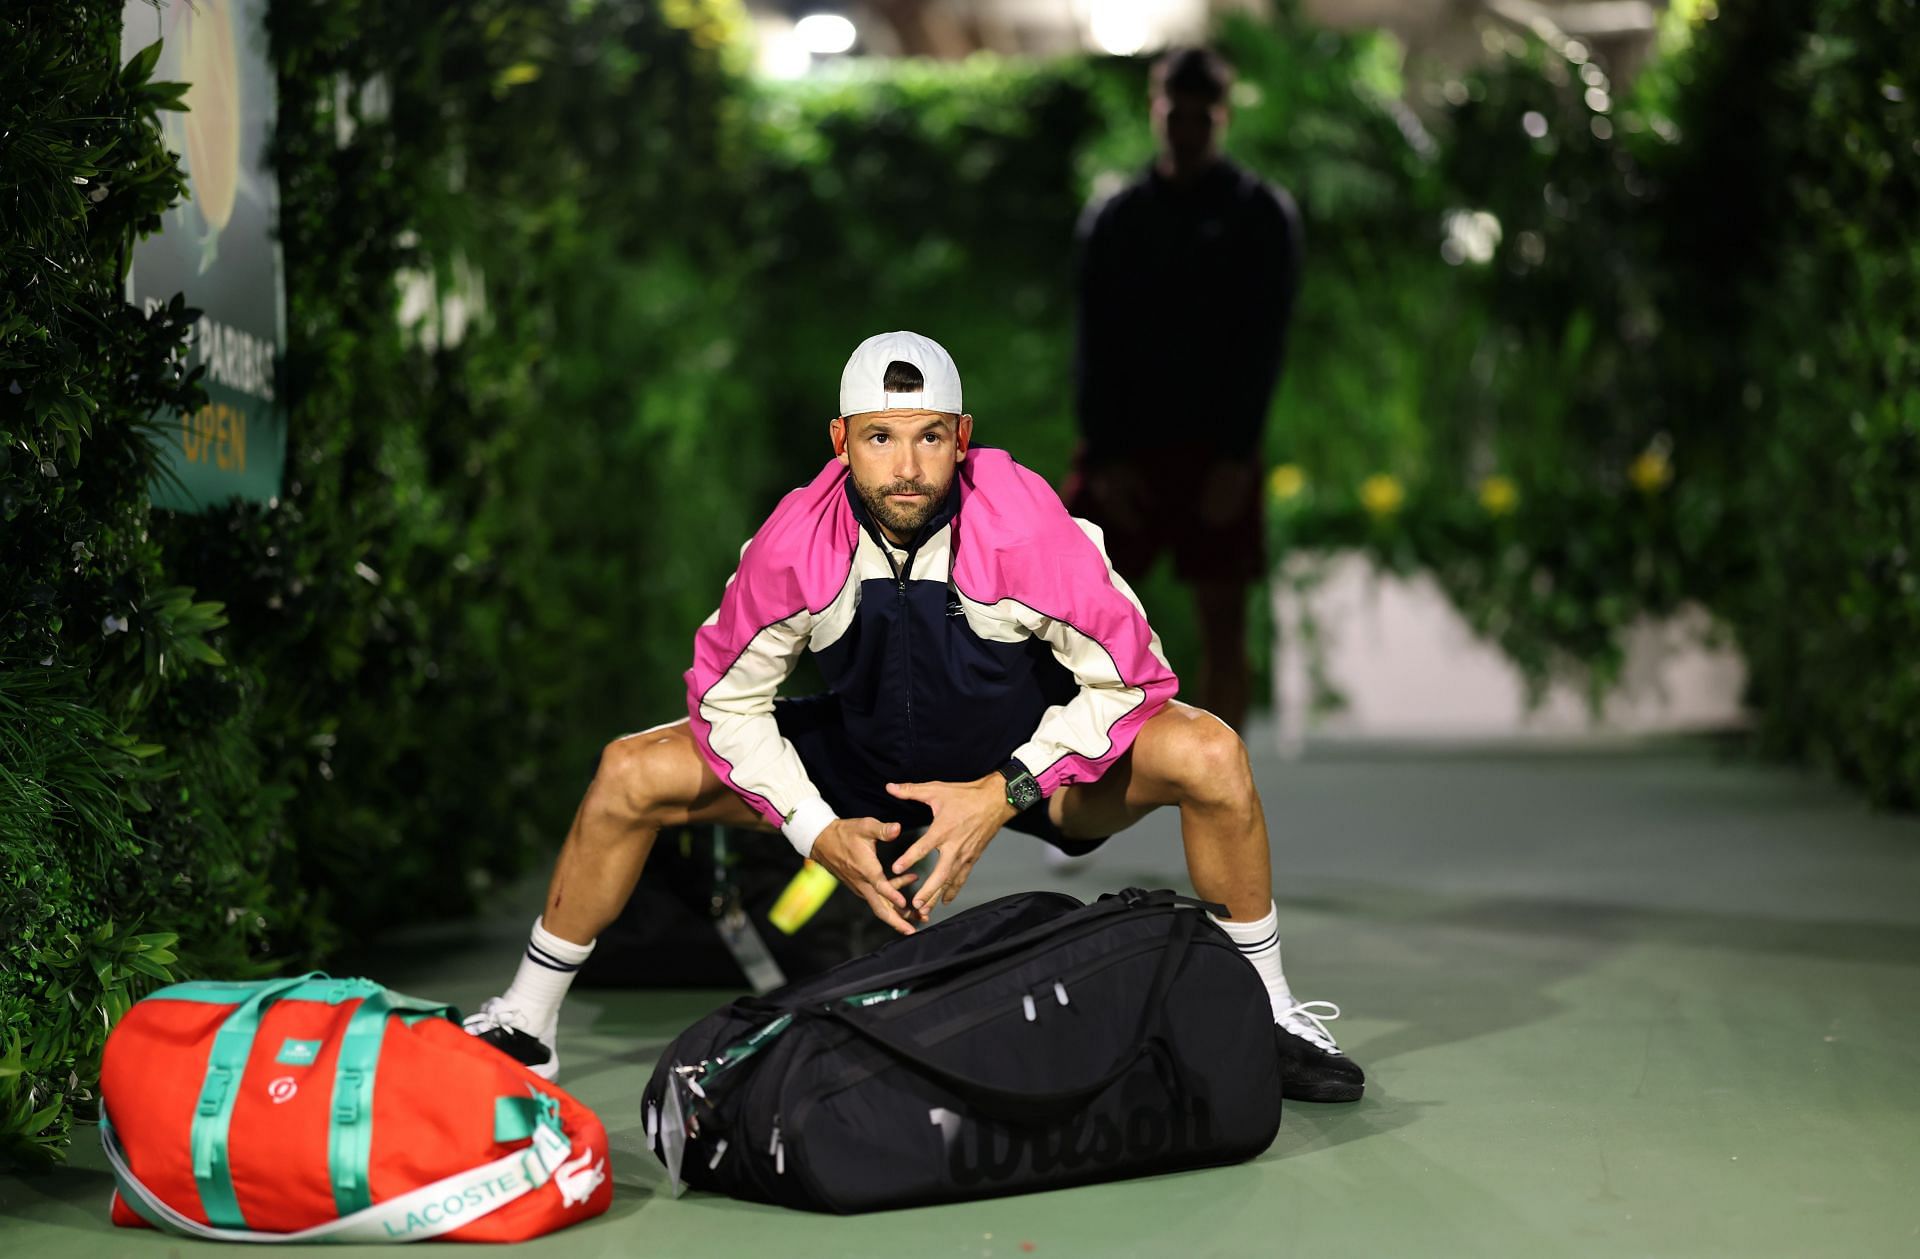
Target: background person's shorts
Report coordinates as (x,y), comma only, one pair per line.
(1172,481)
(812,724)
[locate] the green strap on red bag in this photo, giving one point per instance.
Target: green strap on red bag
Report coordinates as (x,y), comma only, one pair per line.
(411,1217)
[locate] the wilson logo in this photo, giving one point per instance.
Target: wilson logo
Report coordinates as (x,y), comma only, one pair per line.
(983,1154)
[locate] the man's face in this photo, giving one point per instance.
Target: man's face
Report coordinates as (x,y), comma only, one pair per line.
(1189,127)
(902,462)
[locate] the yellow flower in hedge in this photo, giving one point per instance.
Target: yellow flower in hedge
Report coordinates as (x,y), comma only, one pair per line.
(1382,494)
(1499,495)
(1287,482)
(1651,472)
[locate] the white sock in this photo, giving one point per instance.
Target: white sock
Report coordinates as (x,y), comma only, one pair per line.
(1259,943)
(546,972)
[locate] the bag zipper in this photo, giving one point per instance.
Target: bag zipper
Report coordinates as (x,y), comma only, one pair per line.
(924,995)
(916,975)
(826,992)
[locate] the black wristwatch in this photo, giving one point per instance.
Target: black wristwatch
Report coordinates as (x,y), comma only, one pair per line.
(1022,792)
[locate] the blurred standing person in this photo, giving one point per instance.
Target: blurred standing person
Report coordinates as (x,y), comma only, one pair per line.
(1186,279)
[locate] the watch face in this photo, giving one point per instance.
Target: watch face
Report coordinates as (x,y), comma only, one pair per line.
(1023,793)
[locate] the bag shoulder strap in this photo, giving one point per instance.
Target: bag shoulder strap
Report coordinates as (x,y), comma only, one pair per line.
(429,1211)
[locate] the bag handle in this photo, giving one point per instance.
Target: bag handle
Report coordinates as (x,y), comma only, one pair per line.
(1019,1105)
(213,1113)
(429,1211)
(350,1119)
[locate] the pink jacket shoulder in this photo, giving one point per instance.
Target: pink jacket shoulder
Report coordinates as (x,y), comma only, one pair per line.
(1020,541)
(798,559)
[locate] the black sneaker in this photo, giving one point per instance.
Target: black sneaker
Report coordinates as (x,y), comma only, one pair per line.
(506,1031)
(1312,1068)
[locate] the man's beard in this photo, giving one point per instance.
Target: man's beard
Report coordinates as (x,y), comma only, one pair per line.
(904,519)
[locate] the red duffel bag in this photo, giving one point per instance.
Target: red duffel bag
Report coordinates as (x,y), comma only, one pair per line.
(317,1109)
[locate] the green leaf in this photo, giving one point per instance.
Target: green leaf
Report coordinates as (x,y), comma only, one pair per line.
(43,1118)
(140,69)
(147,965)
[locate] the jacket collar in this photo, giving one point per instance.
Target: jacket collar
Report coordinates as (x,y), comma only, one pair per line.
(949,507)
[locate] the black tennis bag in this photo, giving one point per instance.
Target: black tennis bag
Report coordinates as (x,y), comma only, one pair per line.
(1028,1043)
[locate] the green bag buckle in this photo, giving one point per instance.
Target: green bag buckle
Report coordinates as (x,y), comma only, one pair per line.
(214,1092)
(346,1101)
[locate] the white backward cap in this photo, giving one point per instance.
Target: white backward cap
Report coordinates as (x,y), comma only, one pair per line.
(862,384)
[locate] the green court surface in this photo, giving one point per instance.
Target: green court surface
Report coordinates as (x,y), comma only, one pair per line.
(1637,1001)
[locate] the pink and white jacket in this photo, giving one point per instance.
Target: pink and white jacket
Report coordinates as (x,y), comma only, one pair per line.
(1000,630)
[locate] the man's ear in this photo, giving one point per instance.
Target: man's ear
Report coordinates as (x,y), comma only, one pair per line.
(962,438)
(838,430)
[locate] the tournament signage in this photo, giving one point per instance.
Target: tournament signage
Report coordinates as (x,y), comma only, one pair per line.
(217,247)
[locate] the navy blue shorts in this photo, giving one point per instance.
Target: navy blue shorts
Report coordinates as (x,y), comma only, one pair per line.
(812,724)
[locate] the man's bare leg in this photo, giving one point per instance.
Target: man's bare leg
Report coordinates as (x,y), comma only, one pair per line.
(644,782)
(1187,757)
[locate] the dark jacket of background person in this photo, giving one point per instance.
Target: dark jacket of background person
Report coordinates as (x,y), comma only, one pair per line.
(1183,299)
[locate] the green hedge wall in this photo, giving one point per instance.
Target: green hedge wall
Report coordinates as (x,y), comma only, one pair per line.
(1820,407)
(111,697)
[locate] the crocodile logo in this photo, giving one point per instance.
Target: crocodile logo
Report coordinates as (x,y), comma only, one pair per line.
(579,1177)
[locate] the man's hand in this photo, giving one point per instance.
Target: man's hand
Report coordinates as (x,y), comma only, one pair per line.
(845,848)
(965,817)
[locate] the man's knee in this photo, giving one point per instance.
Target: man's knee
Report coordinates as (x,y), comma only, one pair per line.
(1210,761)
(651,778)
